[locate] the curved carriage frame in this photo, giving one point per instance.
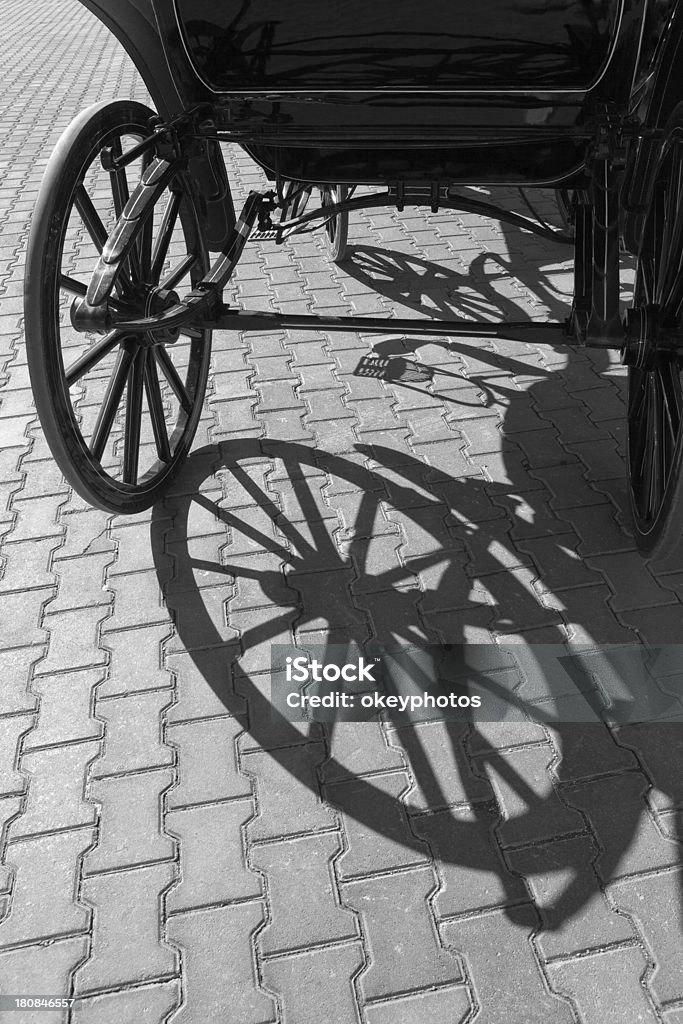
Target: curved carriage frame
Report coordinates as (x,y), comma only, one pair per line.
(615,143)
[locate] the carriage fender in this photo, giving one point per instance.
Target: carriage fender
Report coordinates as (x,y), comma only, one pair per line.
(134,24)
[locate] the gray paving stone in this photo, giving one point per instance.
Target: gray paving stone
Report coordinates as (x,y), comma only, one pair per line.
(503,995)
(126,947)
(135,661)
(11,731)
(220,977)
(575,914)
(435,753)
(304,864)
(619,817)
(448,1005)
(651,902)
(55,789)
(73,640)
(15,670)
(129,815)
(376,824)
(328,993)
(44,899)
(472,873)
(42,969)
(532,808)
(204,779)
(404,949)
(213,868)
(583,981)
(148,1004)
(286,789)
(133,739)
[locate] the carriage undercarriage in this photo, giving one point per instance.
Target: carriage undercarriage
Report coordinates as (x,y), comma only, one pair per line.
(119,345)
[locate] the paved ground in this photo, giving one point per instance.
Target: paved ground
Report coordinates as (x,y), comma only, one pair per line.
(172,854)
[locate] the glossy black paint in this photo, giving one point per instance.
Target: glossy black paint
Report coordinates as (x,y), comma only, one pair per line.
(336,92)
(309,45)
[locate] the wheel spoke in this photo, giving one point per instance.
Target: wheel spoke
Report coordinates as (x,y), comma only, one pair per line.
(92,357)
(111,403)
(90,218)
(72,286)
(132,430)
(163,241)
(171,374)
(156,408)
(176,275)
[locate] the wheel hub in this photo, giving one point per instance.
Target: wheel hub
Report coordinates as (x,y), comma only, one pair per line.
(157,301)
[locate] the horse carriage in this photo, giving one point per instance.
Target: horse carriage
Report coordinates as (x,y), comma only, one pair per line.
(135,235)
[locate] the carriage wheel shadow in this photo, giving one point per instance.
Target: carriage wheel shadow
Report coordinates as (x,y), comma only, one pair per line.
(391,602)
(310,757)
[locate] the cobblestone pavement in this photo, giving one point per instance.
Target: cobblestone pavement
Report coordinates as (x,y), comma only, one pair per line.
(172,854)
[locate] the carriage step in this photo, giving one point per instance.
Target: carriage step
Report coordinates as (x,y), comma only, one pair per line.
(396,368)
(265,236)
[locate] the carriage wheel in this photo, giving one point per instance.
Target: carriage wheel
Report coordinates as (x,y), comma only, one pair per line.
(655,388)
(295,198)
(336,228)
(119,411)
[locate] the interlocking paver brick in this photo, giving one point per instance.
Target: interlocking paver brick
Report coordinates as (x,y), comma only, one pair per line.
(329,991)
(126,946)
(442,773)
(448,1005)
(11,731)
(358,748)
(500,994)
(472,873)
(583,981)
(26,565)
(80,582)
(220,977)
(287,792)
(42,969)
(137,601)
(133,739)
(55,789)
(15,670)
(208,762)
(575,914)
(196,698)
(404,949)
(533,809)
(72,642)
(148,1004)
(44,896)
(376,824)
(20,614)
(618,815)
(212,857)
(128,839)
(651,902)
(38,518)
(294,866)
(135,661)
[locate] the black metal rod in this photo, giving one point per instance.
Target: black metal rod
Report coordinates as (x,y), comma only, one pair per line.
(446,202)
(256,320)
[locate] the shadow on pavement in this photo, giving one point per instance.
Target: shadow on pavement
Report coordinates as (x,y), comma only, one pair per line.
(503,818)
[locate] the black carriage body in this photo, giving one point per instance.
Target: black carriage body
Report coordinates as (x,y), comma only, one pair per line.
(501,91)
